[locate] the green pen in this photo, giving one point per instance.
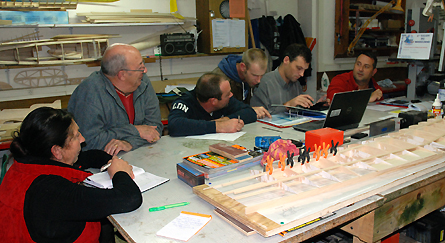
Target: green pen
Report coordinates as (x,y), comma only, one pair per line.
(168,206)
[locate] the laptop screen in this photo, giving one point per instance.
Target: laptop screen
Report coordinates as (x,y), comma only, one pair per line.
(347,109)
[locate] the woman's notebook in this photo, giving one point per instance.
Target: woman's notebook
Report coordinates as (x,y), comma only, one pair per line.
(144,180)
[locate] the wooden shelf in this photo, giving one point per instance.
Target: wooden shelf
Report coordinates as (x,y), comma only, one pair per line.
(96,63)
(377,48)
(371,12)
(381,30)
(192,55)
(382,51)
(344,35)
(84,25)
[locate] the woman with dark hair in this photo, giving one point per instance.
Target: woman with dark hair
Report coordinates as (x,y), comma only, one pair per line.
(41,197)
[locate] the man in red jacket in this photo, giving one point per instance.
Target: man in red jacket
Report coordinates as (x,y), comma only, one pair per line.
(359,78)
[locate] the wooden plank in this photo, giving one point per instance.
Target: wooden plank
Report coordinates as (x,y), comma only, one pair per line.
(396,213)
(362,228)
(141,10)
(28,102)
(235,209)
(408,208)
(5,22)
(133,20)
(235,223)
(227,151)
(126,14)
(121,230)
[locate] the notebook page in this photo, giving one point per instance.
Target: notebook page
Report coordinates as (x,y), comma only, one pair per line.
(184,226)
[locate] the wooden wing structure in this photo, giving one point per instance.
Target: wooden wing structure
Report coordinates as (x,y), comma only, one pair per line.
(56,51)
(270,204)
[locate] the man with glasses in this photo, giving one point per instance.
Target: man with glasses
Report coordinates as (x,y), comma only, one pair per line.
(116,108)
(244,74)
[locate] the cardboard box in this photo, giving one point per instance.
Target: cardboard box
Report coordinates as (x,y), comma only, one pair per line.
(391,24)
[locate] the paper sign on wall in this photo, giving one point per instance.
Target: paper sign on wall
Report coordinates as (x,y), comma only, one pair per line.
(415,46)
(228,33)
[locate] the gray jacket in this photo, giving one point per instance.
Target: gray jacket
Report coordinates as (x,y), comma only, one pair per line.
(273,90)
(101,116)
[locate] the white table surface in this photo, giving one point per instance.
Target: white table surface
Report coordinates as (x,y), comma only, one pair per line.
(161,159)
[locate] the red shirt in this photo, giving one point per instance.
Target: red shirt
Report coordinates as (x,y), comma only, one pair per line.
(345,82)
(127,101)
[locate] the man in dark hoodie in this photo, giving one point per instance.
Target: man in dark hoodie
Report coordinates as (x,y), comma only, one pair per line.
(244,73)
(209,108)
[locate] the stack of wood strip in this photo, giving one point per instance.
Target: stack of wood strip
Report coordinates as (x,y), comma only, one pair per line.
(47,5)
(142,16)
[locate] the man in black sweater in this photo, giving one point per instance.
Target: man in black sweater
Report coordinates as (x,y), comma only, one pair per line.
(209,108)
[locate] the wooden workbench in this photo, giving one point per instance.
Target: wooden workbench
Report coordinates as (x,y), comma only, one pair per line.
(369,219)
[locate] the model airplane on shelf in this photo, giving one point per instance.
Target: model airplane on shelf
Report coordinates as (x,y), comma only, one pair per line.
(66,49)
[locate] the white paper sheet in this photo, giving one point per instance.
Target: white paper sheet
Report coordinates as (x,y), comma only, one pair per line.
(382,107)
(184,226)
(220,30)
(228,33)
(219,136)
(237,33)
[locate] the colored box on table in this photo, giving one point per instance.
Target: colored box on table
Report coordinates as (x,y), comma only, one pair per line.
(189,175)
(323,135)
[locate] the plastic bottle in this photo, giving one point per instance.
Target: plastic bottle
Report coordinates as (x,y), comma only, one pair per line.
(437,106)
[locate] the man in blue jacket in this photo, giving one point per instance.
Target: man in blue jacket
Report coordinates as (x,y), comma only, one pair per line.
(244,73)
(209,108)
(116,108)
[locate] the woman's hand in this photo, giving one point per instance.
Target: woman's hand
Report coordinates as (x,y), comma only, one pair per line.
(119,165)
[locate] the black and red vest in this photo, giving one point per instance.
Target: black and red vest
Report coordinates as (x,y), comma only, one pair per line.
(12,196)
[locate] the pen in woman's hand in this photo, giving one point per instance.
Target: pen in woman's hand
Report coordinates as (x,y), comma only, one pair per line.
(104,167)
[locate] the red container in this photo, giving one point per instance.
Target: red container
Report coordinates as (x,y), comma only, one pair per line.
(325,135)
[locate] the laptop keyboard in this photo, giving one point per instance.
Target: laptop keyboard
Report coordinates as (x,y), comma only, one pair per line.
(309,126)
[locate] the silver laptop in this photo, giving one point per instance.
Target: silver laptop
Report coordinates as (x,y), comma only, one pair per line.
(346,111)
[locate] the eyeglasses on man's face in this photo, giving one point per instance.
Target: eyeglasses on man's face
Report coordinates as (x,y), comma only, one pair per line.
(141,69)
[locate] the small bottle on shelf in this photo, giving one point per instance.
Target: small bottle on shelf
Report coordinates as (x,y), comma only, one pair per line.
(437,106)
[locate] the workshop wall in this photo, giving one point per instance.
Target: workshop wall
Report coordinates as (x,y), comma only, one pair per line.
(171,68)
(325,23)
